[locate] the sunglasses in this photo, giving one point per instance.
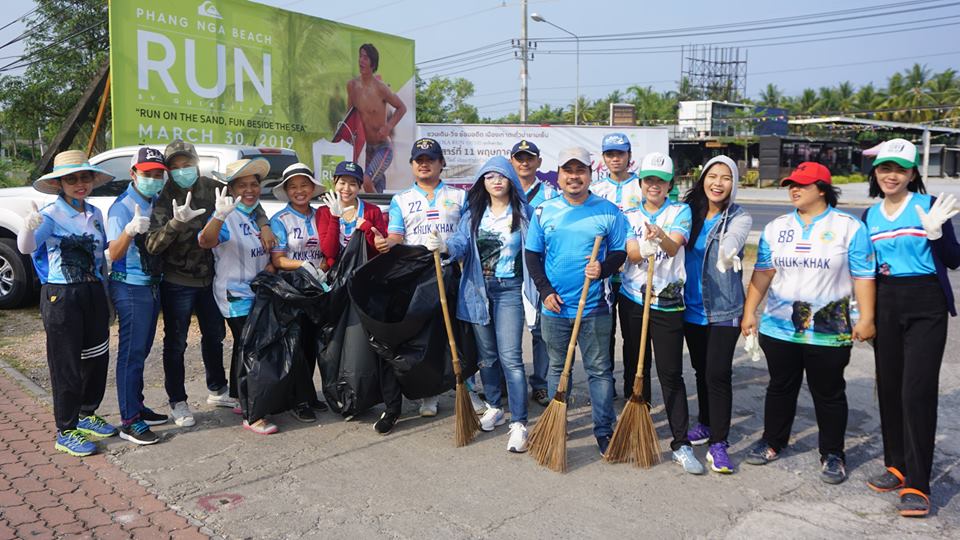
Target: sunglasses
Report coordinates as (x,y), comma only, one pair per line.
(73,179)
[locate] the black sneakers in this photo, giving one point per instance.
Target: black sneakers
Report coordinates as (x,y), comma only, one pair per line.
(386,422)
(138,433)
(153,418)
(304,413)
(832,469)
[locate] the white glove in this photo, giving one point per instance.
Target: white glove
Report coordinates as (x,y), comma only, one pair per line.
(333,203)
(940,212)
(648,248)
(752,347)
(33,219)
(184,213)
(435,243)
(732,260)
(310,268)
(225,204)
(138,225)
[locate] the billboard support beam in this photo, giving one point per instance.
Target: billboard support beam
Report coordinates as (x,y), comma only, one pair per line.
(71,125)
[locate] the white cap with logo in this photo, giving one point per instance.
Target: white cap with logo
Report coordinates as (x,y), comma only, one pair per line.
(900,151)
(656,164)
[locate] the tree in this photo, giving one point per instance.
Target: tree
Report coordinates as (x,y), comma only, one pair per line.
(771,96)
(66,43)
(441,100)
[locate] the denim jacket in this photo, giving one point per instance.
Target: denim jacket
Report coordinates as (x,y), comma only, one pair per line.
(473,305)
(723,293)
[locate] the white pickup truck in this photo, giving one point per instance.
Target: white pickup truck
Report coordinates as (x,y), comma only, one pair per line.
(18,283)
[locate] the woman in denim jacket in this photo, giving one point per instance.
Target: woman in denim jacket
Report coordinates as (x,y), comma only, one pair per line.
(713,294)
(496,294)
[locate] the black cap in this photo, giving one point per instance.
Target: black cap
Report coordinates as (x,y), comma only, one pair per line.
(426,147)
(525,146)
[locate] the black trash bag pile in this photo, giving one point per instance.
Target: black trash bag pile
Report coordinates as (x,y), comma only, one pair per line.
(270,341)
(348,365)
(397,301)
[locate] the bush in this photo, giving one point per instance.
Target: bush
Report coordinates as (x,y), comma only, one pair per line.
(851,179)
(14,172)
(751,178)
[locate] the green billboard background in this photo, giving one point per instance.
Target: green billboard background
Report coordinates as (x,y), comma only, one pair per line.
(175,68)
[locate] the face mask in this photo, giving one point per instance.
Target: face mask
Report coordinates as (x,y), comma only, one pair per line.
(149,187)
(185,177)
(246,209)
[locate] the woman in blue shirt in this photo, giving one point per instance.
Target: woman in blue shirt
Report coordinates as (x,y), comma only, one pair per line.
(238,256)
(489,240)
(913,236)
(713,295)
(66,239)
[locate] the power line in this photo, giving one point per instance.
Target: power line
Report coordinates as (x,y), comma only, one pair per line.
(20,18)
(13,65)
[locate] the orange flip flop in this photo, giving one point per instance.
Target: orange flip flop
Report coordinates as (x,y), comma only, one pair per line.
(890,480)
(913,503)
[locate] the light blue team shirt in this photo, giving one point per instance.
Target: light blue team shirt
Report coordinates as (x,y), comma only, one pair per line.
(297,236)
(416,217)
(564,234)
(693,289)
(136,266)
(669,273)
(498,246)
(627,194)
(809,298)
(900,240)
(238,258)
(70,244)
(545,193)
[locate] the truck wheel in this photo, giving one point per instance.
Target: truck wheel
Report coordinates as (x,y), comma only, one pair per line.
(16,276)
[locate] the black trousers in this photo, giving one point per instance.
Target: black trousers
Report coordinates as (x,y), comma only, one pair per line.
(711,354)
(911,336)
(236,330)
(390,388)
(665,333)
(824,367)
(304,390)
(75,318)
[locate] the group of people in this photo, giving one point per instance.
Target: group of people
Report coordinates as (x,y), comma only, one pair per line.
(181,243)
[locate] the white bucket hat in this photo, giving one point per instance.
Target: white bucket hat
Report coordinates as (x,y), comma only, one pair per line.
(243,167)
(297,169)
(66,163)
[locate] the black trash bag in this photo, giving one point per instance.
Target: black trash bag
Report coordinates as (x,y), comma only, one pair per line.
(270,341)
(348,366)
(398,303)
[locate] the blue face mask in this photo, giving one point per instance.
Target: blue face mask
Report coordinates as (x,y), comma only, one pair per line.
(149,187)
(185,177)
(246,209)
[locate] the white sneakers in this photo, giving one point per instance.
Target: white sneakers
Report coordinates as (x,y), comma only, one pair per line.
(479,406)
(260,427)
(182,415)
(491,419)
(428,406)
(518,438)
(222,399)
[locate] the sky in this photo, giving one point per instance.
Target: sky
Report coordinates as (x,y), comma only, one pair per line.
(792,45)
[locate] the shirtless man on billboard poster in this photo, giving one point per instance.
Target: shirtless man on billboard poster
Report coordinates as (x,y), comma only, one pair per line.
(370,97)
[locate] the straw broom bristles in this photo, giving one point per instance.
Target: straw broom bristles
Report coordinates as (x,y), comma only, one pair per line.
(466,423)
(547,442)
(635,439)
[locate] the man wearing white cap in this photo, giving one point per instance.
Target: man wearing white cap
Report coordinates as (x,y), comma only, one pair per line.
(558,247)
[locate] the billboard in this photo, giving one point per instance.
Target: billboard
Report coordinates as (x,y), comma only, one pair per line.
(236,72)
(467,146)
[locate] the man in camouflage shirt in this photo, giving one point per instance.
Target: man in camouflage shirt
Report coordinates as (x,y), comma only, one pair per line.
(183,207)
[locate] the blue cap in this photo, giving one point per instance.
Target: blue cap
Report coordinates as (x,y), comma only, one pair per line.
(349,168)
(616,141)
(426,147)
(525,146)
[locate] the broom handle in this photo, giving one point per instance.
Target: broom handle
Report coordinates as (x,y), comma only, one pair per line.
(446,314)
(572,346)
(647,297)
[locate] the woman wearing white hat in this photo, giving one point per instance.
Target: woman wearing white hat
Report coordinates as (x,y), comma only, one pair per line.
(298,246)
(913,236)
(66,240)
(659,228)
(234,236)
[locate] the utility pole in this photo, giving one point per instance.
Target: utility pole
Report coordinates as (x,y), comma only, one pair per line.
(523,62)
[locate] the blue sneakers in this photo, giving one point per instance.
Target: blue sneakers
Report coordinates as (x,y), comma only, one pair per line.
(718,459)
(700,434)
(74,443)
(684,456)
(94,426)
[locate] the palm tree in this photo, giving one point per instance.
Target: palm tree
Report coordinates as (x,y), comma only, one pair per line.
(868,97)
(807,103)
(771,96)
(845,96)
(827,100)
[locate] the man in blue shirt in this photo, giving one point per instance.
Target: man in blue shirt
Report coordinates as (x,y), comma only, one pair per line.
(559,243)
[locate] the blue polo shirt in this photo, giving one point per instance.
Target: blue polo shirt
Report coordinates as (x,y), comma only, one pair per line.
(137,266)
(70,244)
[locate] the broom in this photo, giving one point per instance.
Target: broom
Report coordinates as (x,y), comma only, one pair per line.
(548,439)
(635,439)
(466,421)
